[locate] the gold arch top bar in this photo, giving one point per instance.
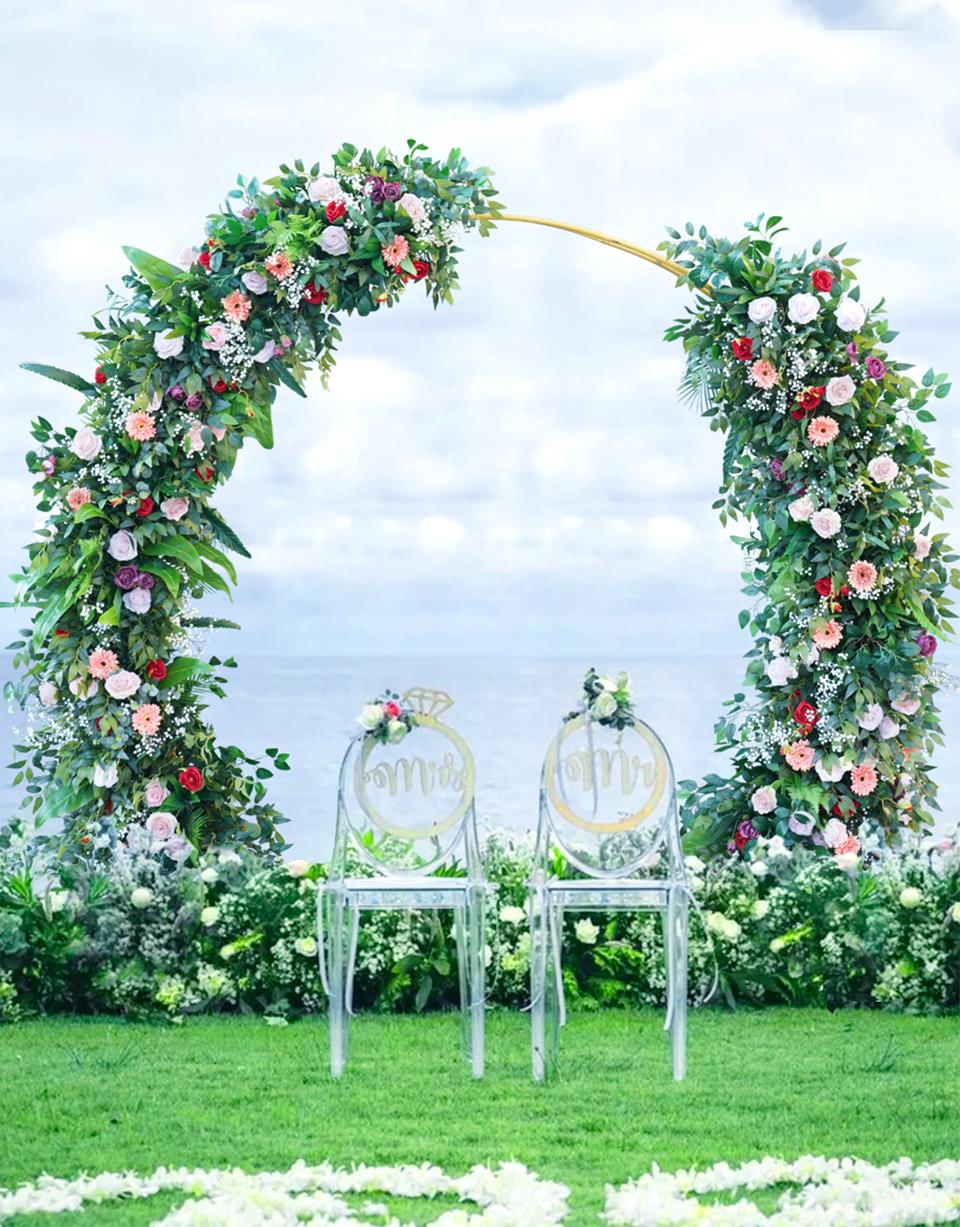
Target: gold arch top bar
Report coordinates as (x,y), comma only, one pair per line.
(643,253)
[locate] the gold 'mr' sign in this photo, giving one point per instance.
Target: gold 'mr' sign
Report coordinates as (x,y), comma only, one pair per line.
(418,775)
(634,768)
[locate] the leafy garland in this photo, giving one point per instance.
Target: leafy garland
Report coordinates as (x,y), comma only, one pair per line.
(188,366)
(837,486)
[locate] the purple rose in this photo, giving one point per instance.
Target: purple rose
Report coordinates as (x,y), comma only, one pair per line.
(392,191)
(852,350)
(194,400)
(145,580)
(126,578)
(177,393)
(876,368)
(744,833)
(926,643)
(375,187)
(49,465)
(776,468)
(799,827)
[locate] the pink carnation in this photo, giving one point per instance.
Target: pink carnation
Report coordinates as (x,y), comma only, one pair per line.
(102,663)
(146,719)
(77,497)
(828,635)
(848,846)
(236,305)
(863,780)
(140,426)
(396,252)
(763,374)
(799,755)
(862,577)
(822,430)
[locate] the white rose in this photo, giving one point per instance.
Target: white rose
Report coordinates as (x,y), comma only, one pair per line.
(777,850)
(888,728)
(334,241)
(227,856)
(871,718)
(413,206)
(586,931)
(835,832)
(105,777)
(781,670)
(297,868)
(307,946)
(826,522)
(910,897)
(775,645)
(84,689)
(324,189)
(802,308)
(209,916)
(86,444)
(883,469)
(758,869)
(921,546)
(138,600)
(954,912)
(510,914)
(141,897)
(167,346)
(396,731)
(187,258)
(834,774)
(762,310)
(695,864)
(161,825)
(122,685)
(850,315)
(840,390)
(57,900)
(48,694)
(371,716)
(210,875)
(122,546)
(764,800)
(604,705)
(801,509)
(760,909)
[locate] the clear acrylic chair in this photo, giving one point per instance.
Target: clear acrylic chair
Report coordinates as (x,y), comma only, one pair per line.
(608,805)
(405,811)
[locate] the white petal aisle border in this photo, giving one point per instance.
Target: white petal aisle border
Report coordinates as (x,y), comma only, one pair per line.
(510,1196)
(828,1193)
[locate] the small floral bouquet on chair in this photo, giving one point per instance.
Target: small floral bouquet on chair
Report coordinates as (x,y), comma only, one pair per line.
(387,719)
(608,699)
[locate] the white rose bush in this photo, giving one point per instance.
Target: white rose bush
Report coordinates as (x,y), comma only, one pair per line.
(827,468)
(188,364)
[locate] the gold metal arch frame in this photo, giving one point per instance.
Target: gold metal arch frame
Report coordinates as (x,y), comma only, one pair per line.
(441,825)
(553,766)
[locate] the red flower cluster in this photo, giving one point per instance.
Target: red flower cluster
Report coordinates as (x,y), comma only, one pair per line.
(742,348)
(822,280)
(391,710)
(335,210)
(191,778)
(806,715)
(824,585)
(204,259)
(156,670)
(422,267)
(146,506)
(99,376)
(205,474)
(313,295)
(218,385)
(808,400)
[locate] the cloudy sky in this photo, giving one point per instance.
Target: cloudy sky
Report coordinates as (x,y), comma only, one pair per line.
(513,474)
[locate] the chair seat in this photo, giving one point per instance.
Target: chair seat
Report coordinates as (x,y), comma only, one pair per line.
(624,892)
(400,891)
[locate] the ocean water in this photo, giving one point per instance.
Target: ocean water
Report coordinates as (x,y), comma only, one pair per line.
(507,708)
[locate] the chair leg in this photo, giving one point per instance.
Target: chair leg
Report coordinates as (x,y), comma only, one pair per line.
(336,975)
(352,936)
(460,929)
(476,949)
(676,925)
(538,974)
(555,1013)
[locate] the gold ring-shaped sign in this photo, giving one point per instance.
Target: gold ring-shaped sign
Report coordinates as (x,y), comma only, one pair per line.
(442,824)
(559,803)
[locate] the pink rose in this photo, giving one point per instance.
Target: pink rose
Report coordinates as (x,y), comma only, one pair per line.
(122,546)
(764,800)
(883,469)
(167,346)
(138,601)
(255,282)
(268,351)
(840,390)
(175,508)
(216,335)
(826,522)
(871,717)
(86,444)
(156,793)
(906,704)
(921,546)
(413,206)
(801,509)
(888,728)
(324,189)
(161,825)
(835,833)
(84,689)
(193,437)
(187,258)
(122,685)
(334,241)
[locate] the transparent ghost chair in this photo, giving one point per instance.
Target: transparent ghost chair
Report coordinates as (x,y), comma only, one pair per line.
(608,806)
(405,814)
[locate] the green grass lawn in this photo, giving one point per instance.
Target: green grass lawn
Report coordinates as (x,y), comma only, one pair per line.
(101,1095)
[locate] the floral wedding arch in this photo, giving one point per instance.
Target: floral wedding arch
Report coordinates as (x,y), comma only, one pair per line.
(825,466)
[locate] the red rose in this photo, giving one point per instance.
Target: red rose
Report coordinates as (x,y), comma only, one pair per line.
(822,280)
(156,670)
(806,714)
(146,506)
(313,295)
(391,709)
(844,591)
(218,385)
(849,801)
(59,634)
(99,376)
(742,348)
(191,778)
(335,210)
(204,259)
(204,474)
(824,586)
(809,399)
(423,270)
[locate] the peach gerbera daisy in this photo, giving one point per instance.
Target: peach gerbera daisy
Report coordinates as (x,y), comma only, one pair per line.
(236,305)
(140,426)
(799,755)
(763,374)
(278,265)
(846,846)
(863,780)
(396,252)
(77,497)
(146,719)
(828,635)
(862,576)
(102,662)
(822,430)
